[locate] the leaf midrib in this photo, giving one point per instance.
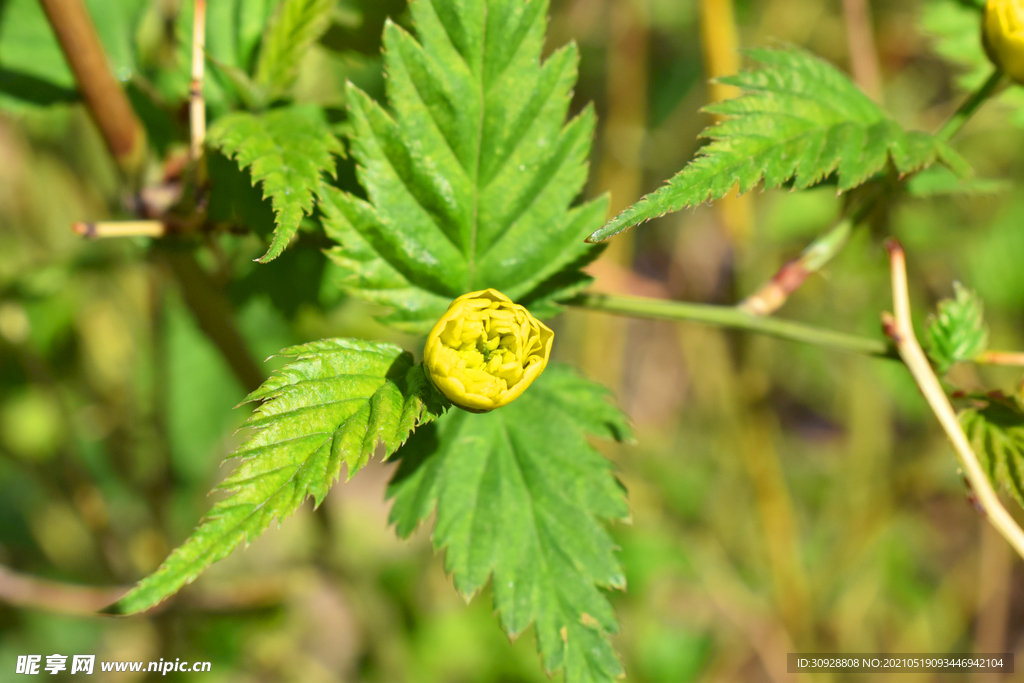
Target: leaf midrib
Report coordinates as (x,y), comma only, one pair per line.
(841,106)
(289,482)
(568,612)
(544,560)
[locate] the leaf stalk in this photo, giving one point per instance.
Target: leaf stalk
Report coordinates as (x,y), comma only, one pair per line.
(730,316)
(960,117)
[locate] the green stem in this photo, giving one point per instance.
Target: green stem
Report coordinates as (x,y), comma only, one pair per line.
(821,250)
(968,108)
(825,247)
(729,316)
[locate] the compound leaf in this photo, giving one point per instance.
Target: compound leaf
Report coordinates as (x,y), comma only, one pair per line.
(471,172)
(287,150)
(799,119)
(295,26)
(520,495)
(996,432)
(329,406)
(957,332)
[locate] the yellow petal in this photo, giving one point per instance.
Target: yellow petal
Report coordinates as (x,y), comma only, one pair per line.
(486,350)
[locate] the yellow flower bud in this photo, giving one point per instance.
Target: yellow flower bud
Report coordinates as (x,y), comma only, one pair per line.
(1003,36)
(485,350)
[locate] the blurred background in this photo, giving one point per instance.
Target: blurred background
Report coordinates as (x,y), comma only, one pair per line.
(784,498)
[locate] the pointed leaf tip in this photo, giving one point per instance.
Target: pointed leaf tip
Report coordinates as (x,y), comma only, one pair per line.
(798,120)
(326,408)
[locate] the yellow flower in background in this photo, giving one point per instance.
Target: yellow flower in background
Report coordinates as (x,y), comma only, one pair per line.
(485,351)
(1003,36)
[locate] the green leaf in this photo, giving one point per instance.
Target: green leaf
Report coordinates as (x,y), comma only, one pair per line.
(996,432)
(799,119)
(329,406)
(520,495)
(295,26)
(471,174)
(958,332)
(287,150)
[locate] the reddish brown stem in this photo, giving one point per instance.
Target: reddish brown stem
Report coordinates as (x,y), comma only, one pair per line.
(104,97)
(776,291)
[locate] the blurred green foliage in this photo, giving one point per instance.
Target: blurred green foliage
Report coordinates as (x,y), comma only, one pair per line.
(783,498)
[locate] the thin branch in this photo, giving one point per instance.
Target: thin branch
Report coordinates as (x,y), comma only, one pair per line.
(197,104)
(774,293)
(732,598)
(901,330)
(53,596)
(31,592)
(773,502)
(620,174)
(104,97)
(720,43)
(120,229)
(721,46)
(992,615)
(213,314)
(863,53)
(1000,358)
(956,122)
(730,316)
